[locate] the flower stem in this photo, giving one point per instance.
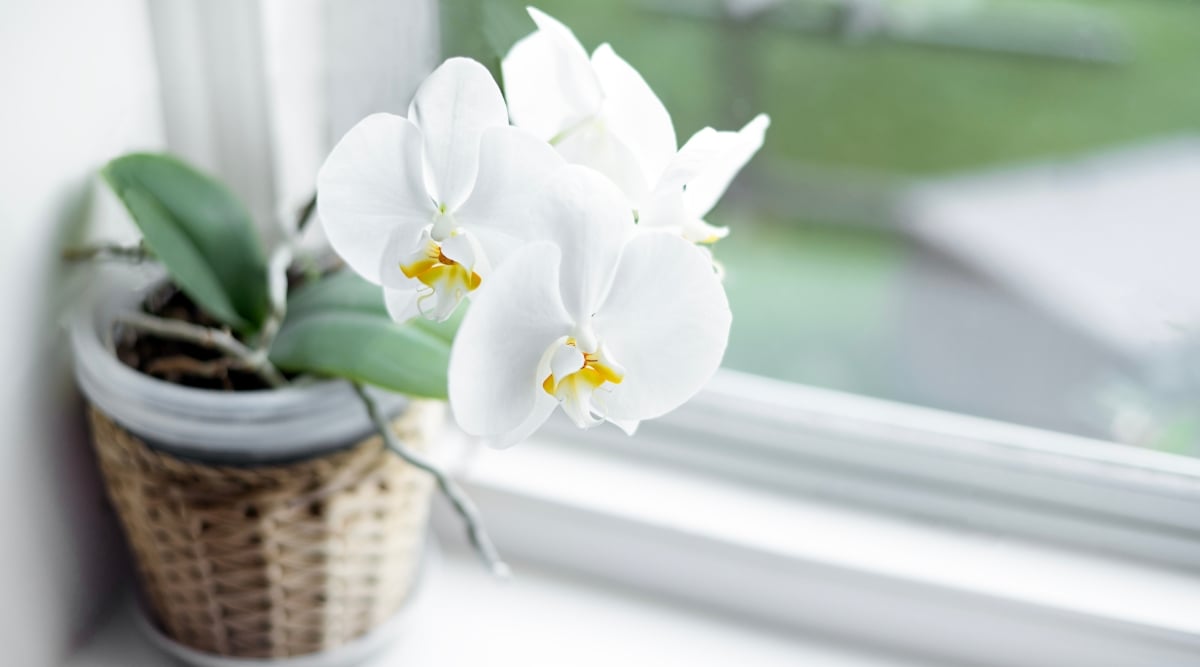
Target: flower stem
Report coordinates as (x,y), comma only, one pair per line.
(253,360)
(462,504)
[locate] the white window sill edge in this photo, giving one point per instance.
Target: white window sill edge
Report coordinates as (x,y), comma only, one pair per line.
(914,586)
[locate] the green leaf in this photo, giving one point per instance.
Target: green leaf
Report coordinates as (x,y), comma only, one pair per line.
(483,29)
(201,234)
(344,290)
(339,326)
(347,290)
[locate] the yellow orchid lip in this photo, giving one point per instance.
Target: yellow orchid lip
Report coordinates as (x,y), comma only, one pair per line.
(434,268)
(594,372)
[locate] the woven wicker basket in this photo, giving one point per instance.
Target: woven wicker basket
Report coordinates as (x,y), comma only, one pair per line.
(270,561)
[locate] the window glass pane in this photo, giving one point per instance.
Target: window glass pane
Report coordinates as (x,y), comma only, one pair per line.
(974,205)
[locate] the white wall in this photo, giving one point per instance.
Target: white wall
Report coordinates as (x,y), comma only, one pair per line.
(79,87)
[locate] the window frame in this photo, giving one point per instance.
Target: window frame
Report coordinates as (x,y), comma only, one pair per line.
(930,464)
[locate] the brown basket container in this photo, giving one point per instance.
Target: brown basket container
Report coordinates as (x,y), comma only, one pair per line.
(270,561)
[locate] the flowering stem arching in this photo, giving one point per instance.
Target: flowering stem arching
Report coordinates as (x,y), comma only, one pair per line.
(457,497)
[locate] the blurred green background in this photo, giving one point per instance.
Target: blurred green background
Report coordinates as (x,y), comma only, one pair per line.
(882,104)
(814,259)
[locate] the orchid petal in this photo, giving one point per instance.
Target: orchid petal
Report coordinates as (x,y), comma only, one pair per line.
(498,353)
(666,319)
(663,209)
(543,407)
(709,161)
(496,244)
(577,403)
(401,245)
(452,108)
(699,231)
(399,291)
(586,217)
(594,146)
(513,164)
(461,249)
(402,304)
(565,360)
(634,113)
(667,210)
(630,426)
(549,81)
(370,187)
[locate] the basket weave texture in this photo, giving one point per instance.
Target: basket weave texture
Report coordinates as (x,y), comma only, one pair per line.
(271,561)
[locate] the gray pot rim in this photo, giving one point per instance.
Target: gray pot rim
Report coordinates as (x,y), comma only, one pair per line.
(249,427)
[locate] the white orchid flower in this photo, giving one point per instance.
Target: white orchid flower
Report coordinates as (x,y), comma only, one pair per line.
(600,112)
(610,324)
(697,177)
(418,204)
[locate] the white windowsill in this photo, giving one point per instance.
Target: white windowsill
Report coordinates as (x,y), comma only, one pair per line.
(870,578)
(870,543)
(461,616)
(635,560)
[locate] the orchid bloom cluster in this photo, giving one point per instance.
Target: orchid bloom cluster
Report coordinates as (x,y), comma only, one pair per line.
(573,232)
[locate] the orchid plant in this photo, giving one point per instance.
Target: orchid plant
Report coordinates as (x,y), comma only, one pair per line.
(576,232)
(572,231)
